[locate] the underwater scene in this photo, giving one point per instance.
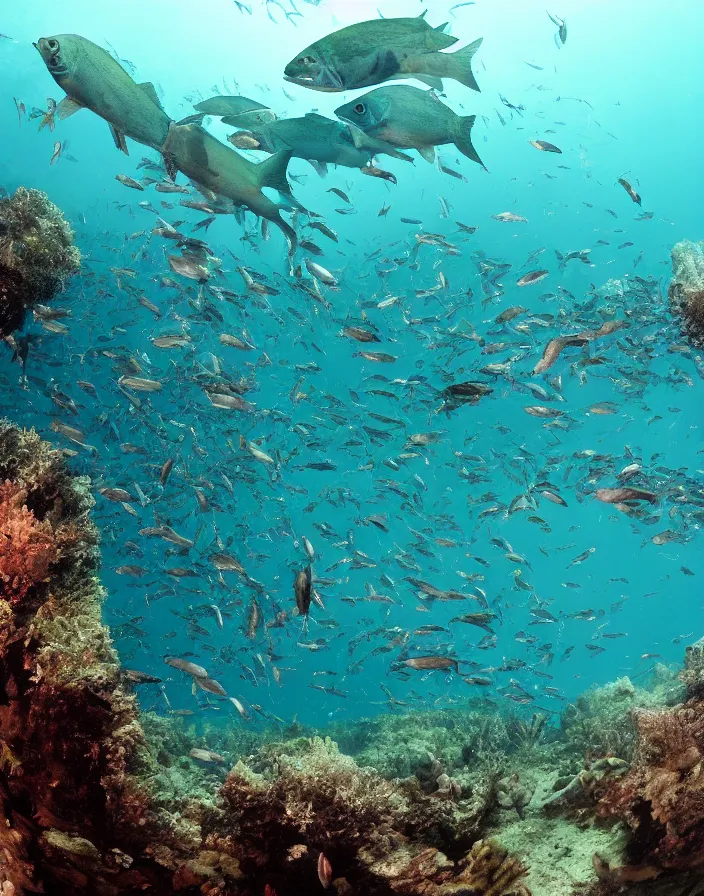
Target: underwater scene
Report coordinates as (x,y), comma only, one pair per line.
(351,448)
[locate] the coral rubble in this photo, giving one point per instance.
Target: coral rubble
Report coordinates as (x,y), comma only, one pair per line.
(686,290)
(37,255)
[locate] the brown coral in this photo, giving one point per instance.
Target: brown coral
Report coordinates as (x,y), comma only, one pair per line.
(662,795)
(487,870)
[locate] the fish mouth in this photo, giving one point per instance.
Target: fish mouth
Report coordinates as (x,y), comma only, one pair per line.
(304,81)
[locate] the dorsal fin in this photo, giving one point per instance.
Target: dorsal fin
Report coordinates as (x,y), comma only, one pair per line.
(272,172)
(150,90)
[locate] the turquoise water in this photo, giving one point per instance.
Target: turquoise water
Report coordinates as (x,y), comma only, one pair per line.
(620,99)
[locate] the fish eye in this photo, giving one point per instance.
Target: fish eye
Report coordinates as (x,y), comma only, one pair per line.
(53,46)
(360,108)
(306,60)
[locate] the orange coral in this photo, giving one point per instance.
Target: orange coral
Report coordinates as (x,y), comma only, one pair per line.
(27,545)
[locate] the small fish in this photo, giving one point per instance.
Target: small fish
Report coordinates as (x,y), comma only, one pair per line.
(424,663)
(320,273)
(129,182)
(303,592)
(545,146)
(324,871)
(561,36)
(360,334)
(623,495)
(532,277)
(188,267)
(57,152)
(629,189)
(379,357)
(510,217)
(206,756)
(186,666)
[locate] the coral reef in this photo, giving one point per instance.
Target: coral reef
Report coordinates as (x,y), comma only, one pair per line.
(686,290)
(692,675)
(600,721)
(661,797)
(91,805)
(37,255)
(397,746)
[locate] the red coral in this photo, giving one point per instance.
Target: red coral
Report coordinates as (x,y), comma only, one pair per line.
(27,545)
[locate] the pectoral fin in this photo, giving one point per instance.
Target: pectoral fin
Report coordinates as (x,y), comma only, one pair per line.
(375,146)
(119,138)
(67,107)
(428,153)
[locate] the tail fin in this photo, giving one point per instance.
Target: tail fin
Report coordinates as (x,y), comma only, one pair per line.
(458,66)
(463,140)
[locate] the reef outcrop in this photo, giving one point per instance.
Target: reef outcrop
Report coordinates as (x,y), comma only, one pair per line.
(686,290)
(37,255)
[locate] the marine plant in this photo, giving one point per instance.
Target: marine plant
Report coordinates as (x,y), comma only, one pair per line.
(37,254)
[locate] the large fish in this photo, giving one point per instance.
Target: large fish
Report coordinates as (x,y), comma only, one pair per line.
(410,118)
(322,141)
(94,80)
(203,158)
(380,50)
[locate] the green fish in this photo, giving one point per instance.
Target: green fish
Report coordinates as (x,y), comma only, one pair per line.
(380,50)
(237,111)
(93,80)
(322,141)
(204,159)
(410,118)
